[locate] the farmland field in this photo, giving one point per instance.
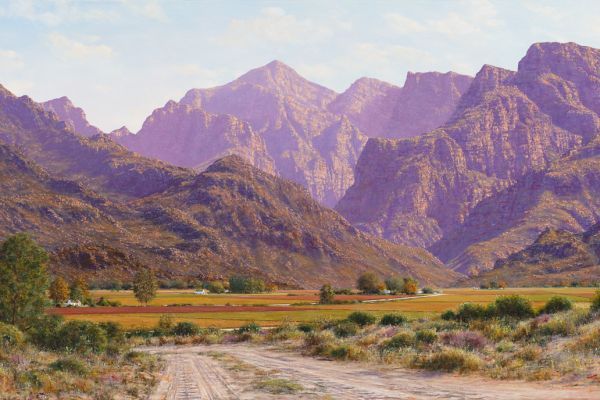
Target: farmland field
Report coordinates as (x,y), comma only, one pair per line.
(271,309)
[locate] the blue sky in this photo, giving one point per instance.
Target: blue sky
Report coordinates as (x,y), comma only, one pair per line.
(119,60)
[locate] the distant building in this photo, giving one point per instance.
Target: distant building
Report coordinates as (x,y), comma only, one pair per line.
(201,291)
(72,303)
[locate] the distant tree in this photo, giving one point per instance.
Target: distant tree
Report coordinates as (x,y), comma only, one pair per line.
(243,284)
(23,280)
(411,286)
(145,285)
(59,290)
(79,289)
(326,294)
(394,284)
(216,287)
(369,282)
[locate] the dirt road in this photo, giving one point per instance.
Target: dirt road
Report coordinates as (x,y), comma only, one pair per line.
(257,372)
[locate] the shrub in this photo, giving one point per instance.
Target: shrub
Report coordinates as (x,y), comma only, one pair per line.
(362,318)
(81,337)
(345,329)
(10,336)
(595,306)
(513,306)
(451,359)
(44,332)
(185,329)
(326,294)
(71,365)
(165,324)
(427,290)
(556,304)
(345,352)
(589,341)
(449,315)
(113,331)
(345,291)
(470,340)
(251,327)
(426,336)
(529,353)
(369,283)
(401,339)
(469,311)
(306,327)
(392,320)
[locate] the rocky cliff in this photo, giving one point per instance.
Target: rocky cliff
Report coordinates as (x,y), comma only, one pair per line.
(74,116)
(508,128)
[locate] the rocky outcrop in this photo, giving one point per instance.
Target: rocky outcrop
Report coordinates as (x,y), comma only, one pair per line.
(503,134)
(556,257)
(74,116)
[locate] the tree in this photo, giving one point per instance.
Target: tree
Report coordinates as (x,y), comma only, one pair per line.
(369,283)
(410,286)
(394,284)
(326,294)
(59,290)
(145,285)
(79,289)
(23,280)
(216,287)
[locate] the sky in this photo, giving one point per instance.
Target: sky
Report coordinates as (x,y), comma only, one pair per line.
(121,59)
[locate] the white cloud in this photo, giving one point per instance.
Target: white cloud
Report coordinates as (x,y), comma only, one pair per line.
(78,50)
(475,17)
(274,25)
(149,9)
(10,59)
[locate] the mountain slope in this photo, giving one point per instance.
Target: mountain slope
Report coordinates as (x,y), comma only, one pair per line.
(504,129)
(104,212)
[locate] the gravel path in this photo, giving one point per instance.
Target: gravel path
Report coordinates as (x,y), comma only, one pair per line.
(232,372)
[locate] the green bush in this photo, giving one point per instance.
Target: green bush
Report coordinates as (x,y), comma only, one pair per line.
(251,327)
(452,359)
(113,331)
(427,290)
(243,284)
(306,327)
(81,337)
(401,339)
(185,329)
(393,320)
(345,352)
(427,336)
(362,318)
(216,287)
(448,315)
(595,306)
(345,329)
(469,312)
(513,306)
(44,332)
(10,336)
(556,304)
(71,365)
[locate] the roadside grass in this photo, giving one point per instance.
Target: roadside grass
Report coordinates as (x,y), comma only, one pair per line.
(279,386)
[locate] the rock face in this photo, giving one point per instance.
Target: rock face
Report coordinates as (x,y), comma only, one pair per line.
(105,212)
(425,102)
(556,257)
(507,128)
(285,124)
(74,116)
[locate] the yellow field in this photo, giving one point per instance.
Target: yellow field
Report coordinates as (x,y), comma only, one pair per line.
(415,307)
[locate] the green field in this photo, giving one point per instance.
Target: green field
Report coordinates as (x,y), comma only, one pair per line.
(414,307)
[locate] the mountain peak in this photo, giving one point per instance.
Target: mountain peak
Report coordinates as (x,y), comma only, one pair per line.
(74,116)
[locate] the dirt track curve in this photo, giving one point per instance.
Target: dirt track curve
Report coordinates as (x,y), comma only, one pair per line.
(235,371)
